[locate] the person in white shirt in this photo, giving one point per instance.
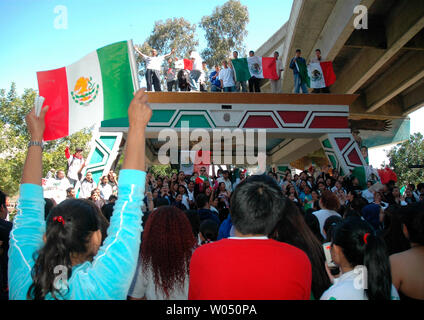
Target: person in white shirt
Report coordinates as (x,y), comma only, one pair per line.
(226,76)
(204,77)
(329,204)
(56,188)
(87,185)
(105,188)
(276,85)
(197,70)
(190,193)
(363,262)
(153,68)
(76,164)
(226,180)
(318,59)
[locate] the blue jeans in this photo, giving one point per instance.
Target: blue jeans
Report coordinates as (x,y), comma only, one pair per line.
(299,84)
(230,89)
(214,88)
(243,86)
(194,80)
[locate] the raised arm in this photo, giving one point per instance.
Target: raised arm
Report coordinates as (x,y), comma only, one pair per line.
(32,172)
(172,51)
(28,227)
(113,267)
(67,153)
(140,53)
(139,114)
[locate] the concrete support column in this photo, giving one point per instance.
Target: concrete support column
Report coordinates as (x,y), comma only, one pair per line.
(342,152)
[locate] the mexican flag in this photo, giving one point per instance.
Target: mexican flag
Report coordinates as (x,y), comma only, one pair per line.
(200,179)
(184,64)
(303,71)
(259,67)
(321,74)
(98,87)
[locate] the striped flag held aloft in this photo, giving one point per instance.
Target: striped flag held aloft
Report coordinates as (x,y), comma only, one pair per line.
(98,87)
(259,67)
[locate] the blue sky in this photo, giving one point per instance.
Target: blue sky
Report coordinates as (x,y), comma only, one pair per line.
(31,43)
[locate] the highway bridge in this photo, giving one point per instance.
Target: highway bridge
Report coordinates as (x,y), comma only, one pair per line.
(380,81)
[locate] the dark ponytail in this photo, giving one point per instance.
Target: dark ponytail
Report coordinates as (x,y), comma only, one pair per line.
(362,247)
(68,229)
(377,263)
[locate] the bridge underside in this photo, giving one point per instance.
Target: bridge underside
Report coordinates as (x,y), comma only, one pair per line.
(294,126)
(383,62)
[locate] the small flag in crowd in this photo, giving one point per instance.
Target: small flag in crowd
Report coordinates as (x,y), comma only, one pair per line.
(259,67)
(321,74)
(98,87)
(184,64)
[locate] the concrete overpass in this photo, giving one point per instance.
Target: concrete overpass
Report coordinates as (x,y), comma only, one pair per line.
(382,67)
(384,64)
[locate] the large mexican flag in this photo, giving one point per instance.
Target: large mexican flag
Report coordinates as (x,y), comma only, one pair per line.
(321,74)
(259,67)
(98,87)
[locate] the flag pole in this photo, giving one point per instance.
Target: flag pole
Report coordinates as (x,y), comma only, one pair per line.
(133,65)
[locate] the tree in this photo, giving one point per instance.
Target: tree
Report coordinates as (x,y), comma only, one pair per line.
(162,170)
(410,152)
(225,31)
(175,33)
(14,139)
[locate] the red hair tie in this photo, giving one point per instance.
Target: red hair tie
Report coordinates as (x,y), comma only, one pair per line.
(59,219)
(366,238)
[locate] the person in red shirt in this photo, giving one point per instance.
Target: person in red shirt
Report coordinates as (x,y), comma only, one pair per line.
(250,266)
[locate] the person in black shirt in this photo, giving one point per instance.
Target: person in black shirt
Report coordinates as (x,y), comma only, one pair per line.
(5,228)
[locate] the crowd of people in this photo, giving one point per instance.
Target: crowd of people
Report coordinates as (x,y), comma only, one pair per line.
(219,236)
(221,79)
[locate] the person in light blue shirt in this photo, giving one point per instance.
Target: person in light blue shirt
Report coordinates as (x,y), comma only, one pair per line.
(63,258)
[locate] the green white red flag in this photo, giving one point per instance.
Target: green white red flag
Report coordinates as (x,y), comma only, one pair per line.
(259,67)
(321,74)
(98,87)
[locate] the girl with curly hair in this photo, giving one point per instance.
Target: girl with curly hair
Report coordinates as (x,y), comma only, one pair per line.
(166,249)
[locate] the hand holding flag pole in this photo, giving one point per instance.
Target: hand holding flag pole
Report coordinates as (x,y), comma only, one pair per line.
(38,104)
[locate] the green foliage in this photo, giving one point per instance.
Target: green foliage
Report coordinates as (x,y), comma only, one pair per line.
(410,152)
(162,170)
(225,31)
(14,139)
(175,33)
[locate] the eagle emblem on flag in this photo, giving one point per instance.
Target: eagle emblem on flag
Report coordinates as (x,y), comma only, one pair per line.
(316,75)
(85,91)
(255,69)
